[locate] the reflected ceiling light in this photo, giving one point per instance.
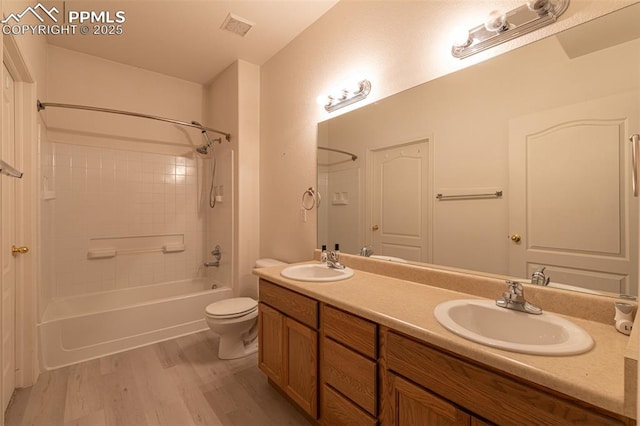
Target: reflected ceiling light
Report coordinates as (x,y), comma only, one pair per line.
(347,97)
(500,27)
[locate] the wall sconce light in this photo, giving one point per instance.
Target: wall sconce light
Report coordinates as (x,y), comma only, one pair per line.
(501,27)
(347,97)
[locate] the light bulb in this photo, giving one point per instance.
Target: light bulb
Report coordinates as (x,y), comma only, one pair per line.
(538,6)
(460,37)
(496,22)
(322,100)
(339,96)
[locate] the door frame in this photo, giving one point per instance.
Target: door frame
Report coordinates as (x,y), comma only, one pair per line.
(27,136)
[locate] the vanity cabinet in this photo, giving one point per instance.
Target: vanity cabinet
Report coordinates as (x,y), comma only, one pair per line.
(412,405)
(288,344)
(348,369)
(342,369)
(424,381)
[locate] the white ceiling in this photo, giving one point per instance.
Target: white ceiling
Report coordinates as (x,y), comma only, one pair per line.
(182,38)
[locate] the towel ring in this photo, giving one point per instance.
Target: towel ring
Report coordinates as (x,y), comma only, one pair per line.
(314,196)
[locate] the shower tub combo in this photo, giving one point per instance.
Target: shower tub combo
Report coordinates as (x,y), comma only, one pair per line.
(83,327)
(80,328)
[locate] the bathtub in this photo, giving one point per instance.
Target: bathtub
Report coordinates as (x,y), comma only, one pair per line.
(80,328)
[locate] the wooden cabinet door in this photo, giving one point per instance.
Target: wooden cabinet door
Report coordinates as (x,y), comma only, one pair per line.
(301,365)
(412,405)
(271,343)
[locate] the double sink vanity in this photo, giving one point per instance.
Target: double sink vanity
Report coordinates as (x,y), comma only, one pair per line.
(385,343)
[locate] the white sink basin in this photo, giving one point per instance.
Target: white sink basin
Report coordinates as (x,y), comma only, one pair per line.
(316,273)
(484,322)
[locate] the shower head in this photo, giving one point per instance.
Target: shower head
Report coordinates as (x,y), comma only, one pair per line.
(204,149)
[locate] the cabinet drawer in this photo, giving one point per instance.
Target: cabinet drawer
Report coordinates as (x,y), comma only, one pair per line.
(292,304)
(350,373)
(337,410)
(352,331)
(495,397)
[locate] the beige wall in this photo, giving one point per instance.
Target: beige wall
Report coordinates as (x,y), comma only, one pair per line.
(248,177)
(77,78)
(397,45)
(232,103)
(220,101)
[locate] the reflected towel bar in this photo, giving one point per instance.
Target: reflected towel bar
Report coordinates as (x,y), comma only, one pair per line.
(9,170)
(496,194)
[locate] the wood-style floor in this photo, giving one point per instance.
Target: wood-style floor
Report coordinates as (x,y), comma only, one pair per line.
(177,382)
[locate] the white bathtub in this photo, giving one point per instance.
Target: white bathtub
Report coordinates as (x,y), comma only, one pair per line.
(80,328)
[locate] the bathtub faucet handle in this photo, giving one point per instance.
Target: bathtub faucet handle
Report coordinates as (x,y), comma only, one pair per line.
(217,252)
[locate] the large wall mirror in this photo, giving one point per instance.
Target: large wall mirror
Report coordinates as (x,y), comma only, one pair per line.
(514,164)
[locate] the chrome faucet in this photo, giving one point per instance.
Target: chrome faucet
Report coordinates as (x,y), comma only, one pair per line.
(539,278)
(514,299)
(332,260)
(366,251)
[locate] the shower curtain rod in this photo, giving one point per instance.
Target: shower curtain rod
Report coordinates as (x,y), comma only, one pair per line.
(353,156)
(43,105)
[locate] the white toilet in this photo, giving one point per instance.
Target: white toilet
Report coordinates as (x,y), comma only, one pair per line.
(235,320)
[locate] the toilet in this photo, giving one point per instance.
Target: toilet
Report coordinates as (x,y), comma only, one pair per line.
(235,320)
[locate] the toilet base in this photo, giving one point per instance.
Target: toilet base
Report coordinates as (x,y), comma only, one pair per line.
(234,347)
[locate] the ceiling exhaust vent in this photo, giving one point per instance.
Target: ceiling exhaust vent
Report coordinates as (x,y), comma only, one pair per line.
(236,25)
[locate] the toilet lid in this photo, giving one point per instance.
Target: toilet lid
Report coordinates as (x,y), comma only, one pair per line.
(230,308)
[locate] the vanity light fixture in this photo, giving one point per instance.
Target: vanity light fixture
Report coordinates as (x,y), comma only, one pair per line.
(501,27)
(347,97)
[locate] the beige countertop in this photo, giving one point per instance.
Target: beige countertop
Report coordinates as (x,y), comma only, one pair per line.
(596,377)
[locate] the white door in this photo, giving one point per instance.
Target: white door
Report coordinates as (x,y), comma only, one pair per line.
(570,199)
(7,240)
(400,177)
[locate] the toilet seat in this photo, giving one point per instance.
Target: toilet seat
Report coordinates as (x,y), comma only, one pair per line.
(232,308)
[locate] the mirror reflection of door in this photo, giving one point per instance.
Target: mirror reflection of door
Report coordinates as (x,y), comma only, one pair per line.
(400,177)
(570,195)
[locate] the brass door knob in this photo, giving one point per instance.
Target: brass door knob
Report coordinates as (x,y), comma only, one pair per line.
(19,250)
(515,238)
(375,228)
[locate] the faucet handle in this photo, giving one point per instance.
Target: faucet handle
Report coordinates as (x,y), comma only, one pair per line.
(514,299)
(366,251)
(514,293)
(515,288)
(217,252)
(539,278)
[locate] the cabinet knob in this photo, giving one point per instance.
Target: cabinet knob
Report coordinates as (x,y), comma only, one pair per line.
(375,228)
(515,238)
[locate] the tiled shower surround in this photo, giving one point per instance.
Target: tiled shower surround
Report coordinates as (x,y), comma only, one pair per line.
(132,202)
